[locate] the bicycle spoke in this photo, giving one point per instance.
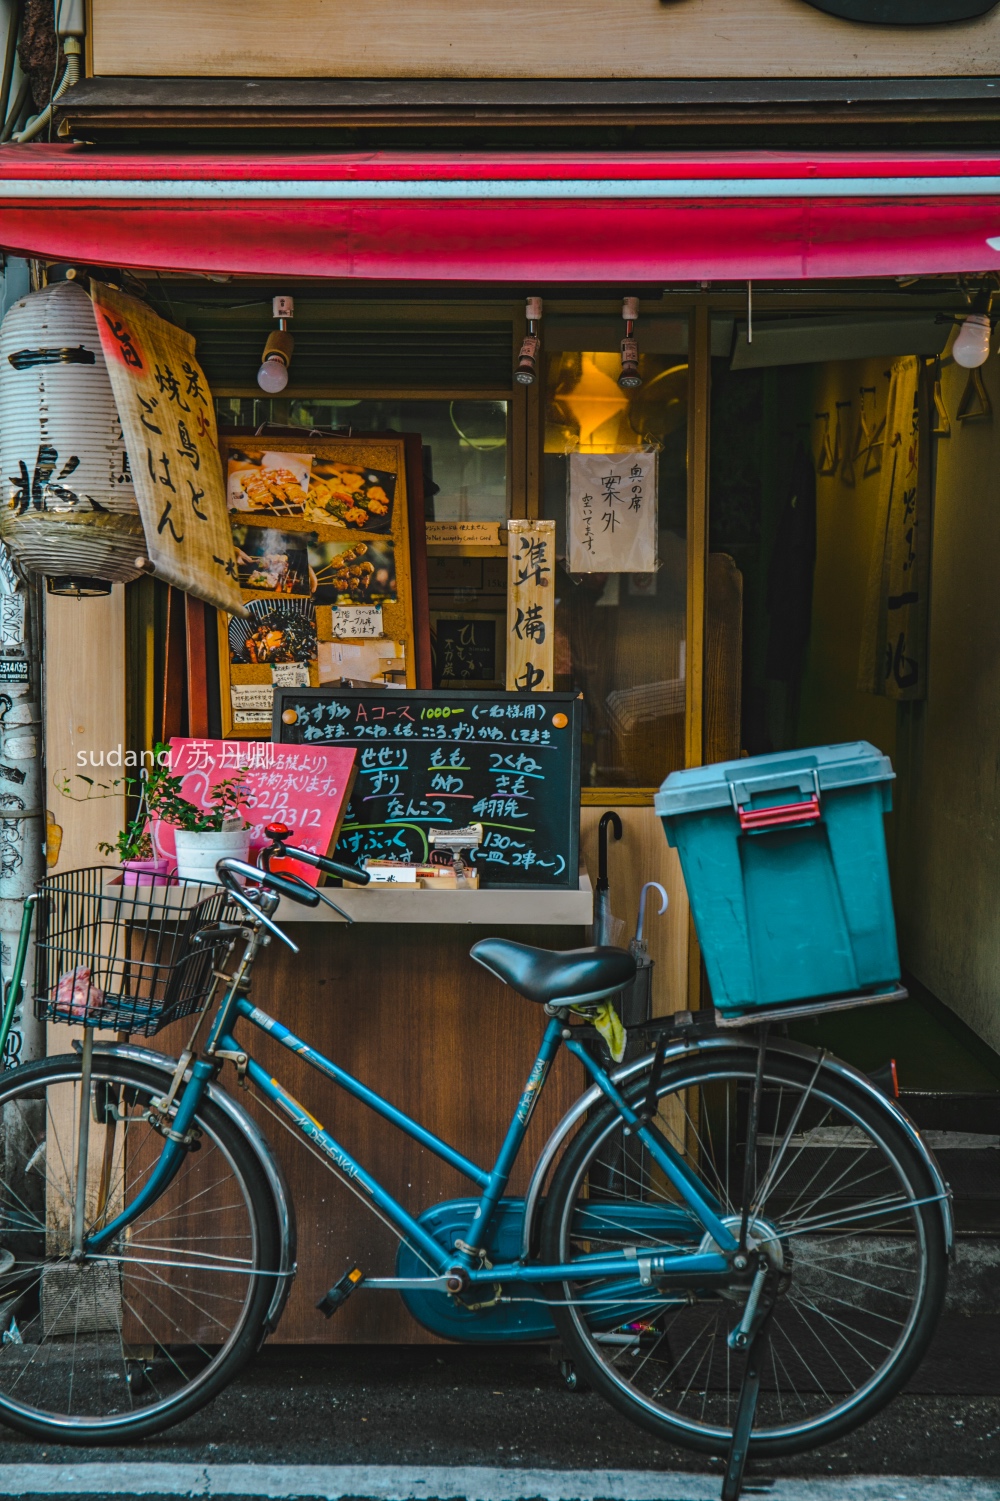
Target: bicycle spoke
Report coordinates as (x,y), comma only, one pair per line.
(825,1193)
(175,1287)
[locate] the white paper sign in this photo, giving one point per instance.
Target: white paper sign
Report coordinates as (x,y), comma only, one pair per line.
(366,661)
(388,875)
(611,512)
(290,675)
(249,696)
(475,533)
(352,622)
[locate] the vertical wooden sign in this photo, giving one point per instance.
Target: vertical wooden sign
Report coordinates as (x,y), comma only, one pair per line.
(168,419)
(531,605)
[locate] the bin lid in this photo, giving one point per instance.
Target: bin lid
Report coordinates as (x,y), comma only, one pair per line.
(702,787)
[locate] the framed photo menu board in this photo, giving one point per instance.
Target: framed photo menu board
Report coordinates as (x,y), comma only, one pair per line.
(321,538)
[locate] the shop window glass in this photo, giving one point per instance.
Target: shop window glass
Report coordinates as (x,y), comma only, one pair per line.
(620,637)
(465,442)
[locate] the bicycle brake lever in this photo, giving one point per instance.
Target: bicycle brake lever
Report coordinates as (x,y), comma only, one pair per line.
(272,927)
(241,899)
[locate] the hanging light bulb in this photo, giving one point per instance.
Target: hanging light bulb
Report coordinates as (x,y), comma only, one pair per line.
(972,342)
(630,377)
(272,376)
(531,344)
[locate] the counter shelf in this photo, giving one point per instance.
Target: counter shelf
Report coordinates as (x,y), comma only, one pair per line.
(529,906)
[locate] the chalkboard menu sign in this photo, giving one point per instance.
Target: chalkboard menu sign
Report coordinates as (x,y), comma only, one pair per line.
(510,761)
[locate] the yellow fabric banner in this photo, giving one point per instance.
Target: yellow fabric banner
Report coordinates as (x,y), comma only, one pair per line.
(168,421)
(893,657)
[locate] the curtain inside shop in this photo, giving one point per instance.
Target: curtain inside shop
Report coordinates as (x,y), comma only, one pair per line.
(620,635)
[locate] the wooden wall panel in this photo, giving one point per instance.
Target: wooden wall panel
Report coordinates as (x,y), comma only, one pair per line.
(84,712)
(723,674)
(524,38)
(199,623)
(413,1016)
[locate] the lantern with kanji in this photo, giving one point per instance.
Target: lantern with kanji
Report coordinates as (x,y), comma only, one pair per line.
(68,509)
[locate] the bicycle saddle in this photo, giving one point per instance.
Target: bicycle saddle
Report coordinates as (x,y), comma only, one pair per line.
(556,977)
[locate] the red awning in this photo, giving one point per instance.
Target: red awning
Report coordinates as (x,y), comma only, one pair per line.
(506,217)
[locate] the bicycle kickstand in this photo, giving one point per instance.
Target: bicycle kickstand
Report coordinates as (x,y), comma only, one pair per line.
(746,1411)
(754,1326)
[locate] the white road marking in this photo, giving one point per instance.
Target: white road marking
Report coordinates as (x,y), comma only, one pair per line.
(95,189)
(469,1482)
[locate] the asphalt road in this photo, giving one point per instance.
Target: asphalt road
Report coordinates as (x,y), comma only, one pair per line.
(447,1405)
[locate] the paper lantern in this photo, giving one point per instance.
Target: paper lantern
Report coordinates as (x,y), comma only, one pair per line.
(68,507)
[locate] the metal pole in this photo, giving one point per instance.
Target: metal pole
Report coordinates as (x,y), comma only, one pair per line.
(22,803)
(80,1202)
(22,816)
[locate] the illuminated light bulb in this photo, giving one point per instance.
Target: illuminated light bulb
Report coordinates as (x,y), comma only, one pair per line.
(272,376)
(972,343)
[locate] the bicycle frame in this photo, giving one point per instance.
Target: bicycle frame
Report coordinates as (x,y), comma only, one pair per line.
(440,1259)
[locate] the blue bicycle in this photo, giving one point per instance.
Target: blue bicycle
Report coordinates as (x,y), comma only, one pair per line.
(739,1241)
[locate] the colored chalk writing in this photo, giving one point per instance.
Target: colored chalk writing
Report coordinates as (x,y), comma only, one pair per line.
(510,761)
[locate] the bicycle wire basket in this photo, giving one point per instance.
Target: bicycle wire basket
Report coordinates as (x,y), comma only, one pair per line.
(124,957)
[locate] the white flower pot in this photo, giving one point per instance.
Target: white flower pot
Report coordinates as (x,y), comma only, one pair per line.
(198,852)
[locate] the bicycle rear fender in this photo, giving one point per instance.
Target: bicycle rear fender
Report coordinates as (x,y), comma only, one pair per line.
(689,1048)
(283,1206)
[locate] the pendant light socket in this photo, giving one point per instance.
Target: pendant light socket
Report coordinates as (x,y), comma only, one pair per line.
(272,376)
(526,369)
(630,377)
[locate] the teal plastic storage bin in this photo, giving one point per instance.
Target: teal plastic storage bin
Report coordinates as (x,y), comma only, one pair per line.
(785,865)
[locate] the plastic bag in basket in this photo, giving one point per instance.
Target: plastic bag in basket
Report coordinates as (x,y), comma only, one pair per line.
(76,998)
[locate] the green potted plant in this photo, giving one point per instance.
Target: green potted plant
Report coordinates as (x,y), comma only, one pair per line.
(202,835)
(141,865)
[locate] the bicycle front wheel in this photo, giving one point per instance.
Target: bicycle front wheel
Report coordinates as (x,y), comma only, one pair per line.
(127,1342)
(841,1203)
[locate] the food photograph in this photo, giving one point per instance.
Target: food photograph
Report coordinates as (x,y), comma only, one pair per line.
(277,631)
(272,561)
(275,484)
(344,494)
(357,573)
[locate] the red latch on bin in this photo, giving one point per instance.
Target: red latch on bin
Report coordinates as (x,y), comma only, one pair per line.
(754,819)
(778,816)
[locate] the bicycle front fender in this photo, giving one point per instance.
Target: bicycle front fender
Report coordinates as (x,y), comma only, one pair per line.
(283,1206)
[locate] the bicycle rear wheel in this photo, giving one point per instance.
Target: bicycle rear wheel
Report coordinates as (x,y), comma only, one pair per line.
(839,1204)
(132,1340)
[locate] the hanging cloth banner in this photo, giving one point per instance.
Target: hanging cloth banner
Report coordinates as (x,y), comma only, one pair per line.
(531,605)
(893,658)
(611,512)
(168,421)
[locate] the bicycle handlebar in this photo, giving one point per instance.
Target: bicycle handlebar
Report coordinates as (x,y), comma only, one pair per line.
(285,885)
(227,870)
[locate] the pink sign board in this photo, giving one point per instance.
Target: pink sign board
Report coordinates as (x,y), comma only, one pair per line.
(305,787)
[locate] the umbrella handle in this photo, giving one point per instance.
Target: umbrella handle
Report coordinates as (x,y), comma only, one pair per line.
(613,819)
(664,899)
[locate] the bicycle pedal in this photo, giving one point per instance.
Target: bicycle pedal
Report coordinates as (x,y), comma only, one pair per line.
(340,1291)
